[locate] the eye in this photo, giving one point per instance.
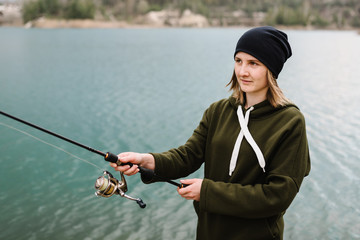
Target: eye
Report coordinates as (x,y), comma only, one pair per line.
(253,63)
(237,60)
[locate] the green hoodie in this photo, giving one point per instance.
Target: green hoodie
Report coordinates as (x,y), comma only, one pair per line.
(250,203)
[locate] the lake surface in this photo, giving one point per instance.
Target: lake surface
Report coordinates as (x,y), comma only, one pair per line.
(145,90)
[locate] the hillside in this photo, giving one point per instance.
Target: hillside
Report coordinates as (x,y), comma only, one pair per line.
(329,14)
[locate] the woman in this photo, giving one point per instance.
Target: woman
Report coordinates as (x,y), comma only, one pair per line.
(253,146)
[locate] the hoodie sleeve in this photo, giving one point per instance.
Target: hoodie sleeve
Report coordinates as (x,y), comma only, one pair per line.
(289,165)
(248,201)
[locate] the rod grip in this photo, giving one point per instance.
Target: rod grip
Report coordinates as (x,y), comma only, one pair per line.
(146,174)
(110,157)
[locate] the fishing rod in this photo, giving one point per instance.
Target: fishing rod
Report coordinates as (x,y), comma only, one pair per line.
(106,185)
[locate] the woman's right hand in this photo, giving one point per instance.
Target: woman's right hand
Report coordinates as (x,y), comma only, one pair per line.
(137,159)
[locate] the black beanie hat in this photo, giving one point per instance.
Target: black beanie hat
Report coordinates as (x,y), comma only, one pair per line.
(269,45)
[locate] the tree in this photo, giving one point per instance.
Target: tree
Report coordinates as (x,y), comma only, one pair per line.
(80,9)
(31,10)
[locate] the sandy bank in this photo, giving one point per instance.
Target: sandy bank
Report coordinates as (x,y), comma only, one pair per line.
(157,19)
(75,23)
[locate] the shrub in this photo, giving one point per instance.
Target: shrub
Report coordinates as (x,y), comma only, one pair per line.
(80,9)
(31,10)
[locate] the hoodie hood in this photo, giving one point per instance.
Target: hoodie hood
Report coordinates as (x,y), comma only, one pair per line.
(261,110)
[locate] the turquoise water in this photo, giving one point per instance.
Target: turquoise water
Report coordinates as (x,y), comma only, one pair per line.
(145,90)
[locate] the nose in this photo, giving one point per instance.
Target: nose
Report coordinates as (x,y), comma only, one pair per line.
(242,71)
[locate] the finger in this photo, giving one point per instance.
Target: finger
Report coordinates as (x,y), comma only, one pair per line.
(123,154)
(188,181)
(128,158)
(131,171)
(188,197)
(183,191)
(124,159)
(114,165)
(122,168)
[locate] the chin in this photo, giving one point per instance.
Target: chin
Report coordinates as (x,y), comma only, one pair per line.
(245,88)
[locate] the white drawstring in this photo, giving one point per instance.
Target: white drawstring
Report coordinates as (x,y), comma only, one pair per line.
(245,132)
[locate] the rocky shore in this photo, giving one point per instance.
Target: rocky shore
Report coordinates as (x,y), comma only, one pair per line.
(165,18)
(10,15)
(74,23)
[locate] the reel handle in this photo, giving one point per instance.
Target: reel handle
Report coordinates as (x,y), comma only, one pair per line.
(141,203)
(146,174)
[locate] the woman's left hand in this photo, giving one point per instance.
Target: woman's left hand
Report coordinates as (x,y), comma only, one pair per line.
(191,192)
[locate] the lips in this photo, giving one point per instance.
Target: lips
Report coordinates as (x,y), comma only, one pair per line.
(245,81)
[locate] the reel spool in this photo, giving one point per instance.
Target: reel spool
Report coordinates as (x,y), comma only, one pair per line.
(107,186)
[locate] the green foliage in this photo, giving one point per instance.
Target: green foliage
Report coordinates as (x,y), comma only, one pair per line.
(142,7)
(31,11)
(35,9)
(288,16)
(155,7)
(52,8)
(338,13)
(194,6)
(110,3)
(355,22)
(319,22)
(80,9)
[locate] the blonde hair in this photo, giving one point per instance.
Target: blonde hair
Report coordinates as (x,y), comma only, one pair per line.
(274,95)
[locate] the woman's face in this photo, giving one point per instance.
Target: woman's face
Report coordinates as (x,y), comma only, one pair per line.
(251,75)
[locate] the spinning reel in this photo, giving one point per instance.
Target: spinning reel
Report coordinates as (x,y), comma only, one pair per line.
(107,186)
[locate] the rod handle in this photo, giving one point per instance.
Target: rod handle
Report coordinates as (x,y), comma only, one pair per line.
(110,157)
(146,174)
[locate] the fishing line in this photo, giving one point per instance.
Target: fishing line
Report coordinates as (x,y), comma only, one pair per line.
(146,174)
(106,185)
(49,144)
